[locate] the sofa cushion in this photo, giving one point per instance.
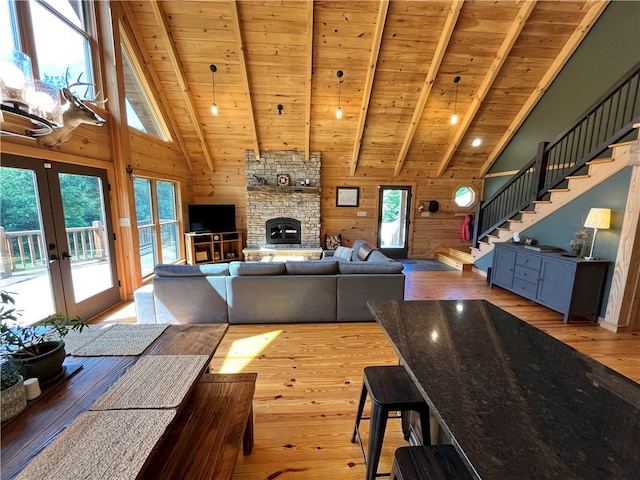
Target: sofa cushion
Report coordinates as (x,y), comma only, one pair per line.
(370,267)
(343,252)
(378,257)
(239,269)
(312,268)
(364,251)
(213,269)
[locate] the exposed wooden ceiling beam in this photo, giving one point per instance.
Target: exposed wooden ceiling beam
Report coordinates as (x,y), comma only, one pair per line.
(373,61)
(245,78)
(148,75)
(578,35)
(436,61)
(163,32)
(307,119)
(494,69)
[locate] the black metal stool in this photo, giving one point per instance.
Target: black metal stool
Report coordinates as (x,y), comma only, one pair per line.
(391,390)
(438,462)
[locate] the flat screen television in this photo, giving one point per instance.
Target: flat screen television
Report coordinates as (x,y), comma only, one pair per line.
(212,218)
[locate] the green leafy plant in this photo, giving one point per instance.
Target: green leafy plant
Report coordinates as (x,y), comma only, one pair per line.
(28,339)
(9,373)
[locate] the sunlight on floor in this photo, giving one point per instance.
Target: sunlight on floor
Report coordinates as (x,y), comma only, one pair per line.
(242,352)
(126,314)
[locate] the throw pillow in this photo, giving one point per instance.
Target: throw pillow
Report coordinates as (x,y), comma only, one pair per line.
(343,252)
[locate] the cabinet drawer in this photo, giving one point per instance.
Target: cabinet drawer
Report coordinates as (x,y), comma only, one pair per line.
(531,261)
(526,274)
(526,289)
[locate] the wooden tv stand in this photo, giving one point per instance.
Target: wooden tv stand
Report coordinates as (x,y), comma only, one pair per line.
(213,247)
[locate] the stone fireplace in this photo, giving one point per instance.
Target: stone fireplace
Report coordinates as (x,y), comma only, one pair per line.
(283,194)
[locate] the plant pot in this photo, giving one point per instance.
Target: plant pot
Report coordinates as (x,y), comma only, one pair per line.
(13,400)
(45,366)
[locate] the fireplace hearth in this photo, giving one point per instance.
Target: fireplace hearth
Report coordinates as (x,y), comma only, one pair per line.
(283,231)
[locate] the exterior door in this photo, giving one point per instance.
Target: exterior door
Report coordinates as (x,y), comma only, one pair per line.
(56,245)
(394,220)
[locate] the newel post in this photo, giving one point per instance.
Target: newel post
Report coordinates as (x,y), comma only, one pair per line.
(539,171)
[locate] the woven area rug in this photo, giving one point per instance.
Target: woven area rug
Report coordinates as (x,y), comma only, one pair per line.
(154,381)
(101,445)
(122,339)
(76,340)
(425,265)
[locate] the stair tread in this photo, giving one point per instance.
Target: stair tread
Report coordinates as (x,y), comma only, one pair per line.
(553,190)
(542,202)
(454,262)
(600,160)
(528,211)
(579,177)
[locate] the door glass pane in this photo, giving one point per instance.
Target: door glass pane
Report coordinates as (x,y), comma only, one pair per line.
(24,264)
(8,37)
(87,247)
(168,221)
(393,225)
(146,226)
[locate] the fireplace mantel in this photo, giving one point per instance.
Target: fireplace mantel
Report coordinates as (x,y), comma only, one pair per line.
(283,190)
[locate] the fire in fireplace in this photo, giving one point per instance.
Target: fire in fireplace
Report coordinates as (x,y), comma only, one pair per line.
(283,231)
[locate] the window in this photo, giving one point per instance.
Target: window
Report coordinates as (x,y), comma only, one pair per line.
(58,40)
(465,197)
(140,115)
(158,224)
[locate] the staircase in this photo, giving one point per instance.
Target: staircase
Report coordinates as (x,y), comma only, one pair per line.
(598,171)
(578,159)
(455,257)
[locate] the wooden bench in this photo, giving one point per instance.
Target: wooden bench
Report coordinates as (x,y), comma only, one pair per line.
(205,439)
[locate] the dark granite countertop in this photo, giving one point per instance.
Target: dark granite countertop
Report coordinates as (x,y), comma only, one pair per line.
(517,403)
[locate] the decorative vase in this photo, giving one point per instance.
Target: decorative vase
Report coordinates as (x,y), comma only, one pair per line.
(47,365)
(576,247)
(13,400)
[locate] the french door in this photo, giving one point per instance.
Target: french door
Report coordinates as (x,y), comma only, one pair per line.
(56,243)
(393,220)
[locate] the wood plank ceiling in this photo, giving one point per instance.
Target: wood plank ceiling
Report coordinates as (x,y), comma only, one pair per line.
(399,60)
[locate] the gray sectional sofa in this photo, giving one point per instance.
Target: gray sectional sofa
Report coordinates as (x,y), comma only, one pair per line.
(327,290)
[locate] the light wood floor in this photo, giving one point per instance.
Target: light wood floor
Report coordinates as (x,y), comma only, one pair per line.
(309,378)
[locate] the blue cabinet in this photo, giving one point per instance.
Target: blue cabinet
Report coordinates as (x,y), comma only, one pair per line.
(572,286)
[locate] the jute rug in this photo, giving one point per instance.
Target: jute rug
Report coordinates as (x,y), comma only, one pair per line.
(101,445)
(122,339)
(154,381)
(75,340)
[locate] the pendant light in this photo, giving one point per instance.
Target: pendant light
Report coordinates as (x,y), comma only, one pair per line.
(454,117)
(214,105)
(339,74)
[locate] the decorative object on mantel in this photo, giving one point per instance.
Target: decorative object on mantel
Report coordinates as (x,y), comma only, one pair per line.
(598,218)
(283,180)
(331,242)
(261,180)
(347,196)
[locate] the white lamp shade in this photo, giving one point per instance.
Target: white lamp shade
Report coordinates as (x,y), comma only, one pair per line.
(598,218)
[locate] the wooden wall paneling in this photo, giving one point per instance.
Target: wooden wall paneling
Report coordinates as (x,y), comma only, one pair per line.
(245,78)
(592,14)
(308,82)
(146,70)
(487,81)
(130,274)
(434,67)
(163,32)
(366,95)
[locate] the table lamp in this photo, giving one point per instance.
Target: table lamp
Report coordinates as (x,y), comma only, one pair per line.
(597,218)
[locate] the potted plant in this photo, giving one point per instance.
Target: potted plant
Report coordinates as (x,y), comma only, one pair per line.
(38,349)
(13,398)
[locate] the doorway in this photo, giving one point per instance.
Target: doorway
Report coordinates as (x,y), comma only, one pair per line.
(394,220)
(56,243)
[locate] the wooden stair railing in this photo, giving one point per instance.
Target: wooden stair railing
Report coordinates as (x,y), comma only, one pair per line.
(608,121)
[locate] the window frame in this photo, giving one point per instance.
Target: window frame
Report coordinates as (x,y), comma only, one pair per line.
(27,43)
(474,194)
(157,224)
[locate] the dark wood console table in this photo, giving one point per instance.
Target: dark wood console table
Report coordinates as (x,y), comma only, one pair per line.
(516,403)
(569,285)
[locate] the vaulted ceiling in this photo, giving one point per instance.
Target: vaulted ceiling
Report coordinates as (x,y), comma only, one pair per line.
(397,93)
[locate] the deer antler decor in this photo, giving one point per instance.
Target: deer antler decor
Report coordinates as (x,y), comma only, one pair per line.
(75,113)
